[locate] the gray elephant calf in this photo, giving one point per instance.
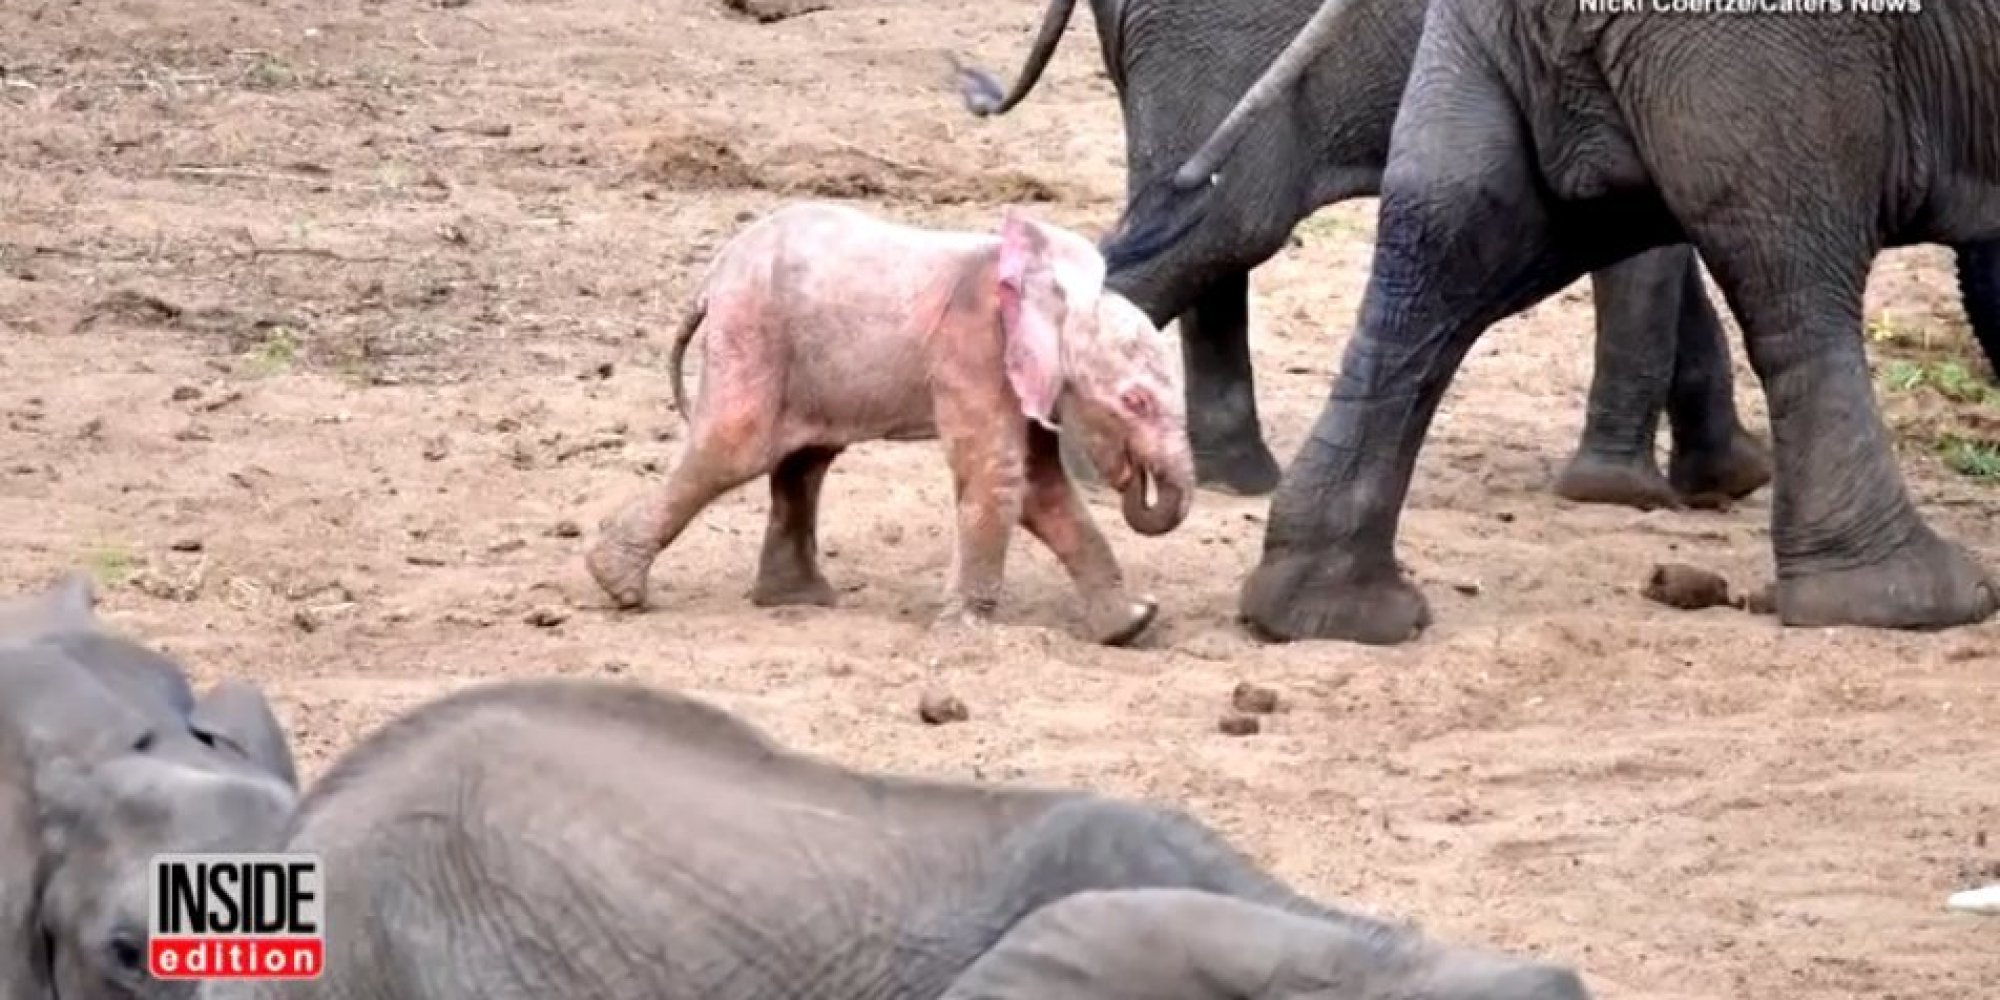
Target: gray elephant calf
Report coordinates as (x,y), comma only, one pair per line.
(563,838)
(107,757)
(826,327)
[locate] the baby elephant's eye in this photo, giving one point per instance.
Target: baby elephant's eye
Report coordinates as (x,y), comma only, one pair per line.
(128,953)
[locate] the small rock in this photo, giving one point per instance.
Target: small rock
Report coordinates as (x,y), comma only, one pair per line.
(1235,724)
(1254,699)
(186,545)
(183,393)
(937,708)
(566,529)
(604,370)
(91,429)
(305,620)
(1688,588)
(1469,588)
(546,617)
(436,448)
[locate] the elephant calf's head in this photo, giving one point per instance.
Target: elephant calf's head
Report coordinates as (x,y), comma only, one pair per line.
(1090,353)
(103,823)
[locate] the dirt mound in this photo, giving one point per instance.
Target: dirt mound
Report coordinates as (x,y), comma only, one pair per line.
(772,11)
(700,156)
(692,160)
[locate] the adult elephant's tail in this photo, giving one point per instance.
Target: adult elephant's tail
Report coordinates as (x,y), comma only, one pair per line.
(981,90)
(1979,290)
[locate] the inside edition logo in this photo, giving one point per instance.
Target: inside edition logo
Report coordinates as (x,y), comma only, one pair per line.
(236,916)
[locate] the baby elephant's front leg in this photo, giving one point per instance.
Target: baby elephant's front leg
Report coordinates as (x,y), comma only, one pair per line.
(1055,513)
(987,483)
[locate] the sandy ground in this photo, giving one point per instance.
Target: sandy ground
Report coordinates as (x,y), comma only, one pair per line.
(325,330)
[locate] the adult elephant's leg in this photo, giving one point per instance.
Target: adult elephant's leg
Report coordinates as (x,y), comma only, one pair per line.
(1789,235)
(1851,548)
(1979,289)
(1637,301)
(1463,240)
(1715,459)
(1223,426)
(1230,455)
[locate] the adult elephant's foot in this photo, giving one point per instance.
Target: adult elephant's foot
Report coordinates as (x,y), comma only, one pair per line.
(1592,477)
(1240,468)
(1706,479)
(791,589)
(1927,584)
(620,569)
(1330,595)
(1118,621)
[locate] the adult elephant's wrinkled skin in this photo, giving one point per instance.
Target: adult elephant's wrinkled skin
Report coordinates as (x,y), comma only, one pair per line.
(565,838)
(1179,64)
(1536,142)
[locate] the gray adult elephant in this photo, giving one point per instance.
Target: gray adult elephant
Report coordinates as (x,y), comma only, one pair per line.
(1178,65)
(1536,142)
(567,838)
(107,758)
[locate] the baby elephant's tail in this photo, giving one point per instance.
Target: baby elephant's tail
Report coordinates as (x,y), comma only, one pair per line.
(682,337)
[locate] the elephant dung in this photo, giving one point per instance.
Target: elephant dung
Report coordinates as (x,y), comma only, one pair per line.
(1688,588)
(937,708)
(1238,724)
(1254,699)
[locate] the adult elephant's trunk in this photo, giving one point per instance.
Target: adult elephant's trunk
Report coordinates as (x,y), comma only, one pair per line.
(1169,506)
(981,92)
(1278,78)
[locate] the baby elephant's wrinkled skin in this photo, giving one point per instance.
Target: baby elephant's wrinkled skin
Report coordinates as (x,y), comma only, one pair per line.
(580,838)
(825,327)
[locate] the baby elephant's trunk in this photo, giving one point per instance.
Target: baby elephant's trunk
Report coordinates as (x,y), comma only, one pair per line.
(1169,506)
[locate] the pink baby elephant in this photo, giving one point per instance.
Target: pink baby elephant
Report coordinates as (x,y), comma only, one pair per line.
(826,327)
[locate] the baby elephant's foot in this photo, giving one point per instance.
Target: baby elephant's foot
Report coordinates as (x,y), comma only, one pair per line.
(963,615)
(1117,621)
(621,569)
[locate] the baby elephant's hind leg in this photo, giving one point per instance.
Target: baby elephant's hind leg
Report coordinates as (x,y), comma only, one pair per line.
(1055,513)
(713,463)
(788,569)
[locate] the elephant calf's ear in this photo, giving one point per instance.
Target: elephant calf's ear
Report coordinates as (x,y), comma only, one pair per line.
(1031,310)
(234,716)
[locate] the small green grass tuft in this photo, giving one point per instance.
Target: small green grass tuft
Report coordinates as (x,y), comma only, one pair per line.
(275,354)
(111,565)
(1977,459)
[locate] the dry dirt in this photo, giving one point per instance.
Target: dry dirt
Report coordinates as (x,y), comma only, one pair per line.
(324,328)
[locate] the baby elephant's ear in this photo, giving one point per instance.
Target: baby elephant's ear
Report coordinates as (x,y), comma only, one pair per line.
(1032,310)
(234,716)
